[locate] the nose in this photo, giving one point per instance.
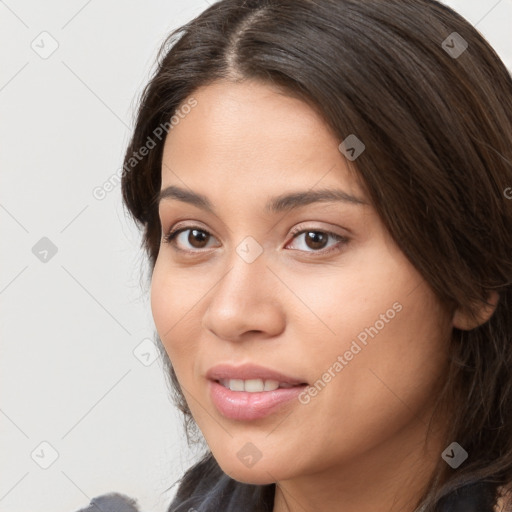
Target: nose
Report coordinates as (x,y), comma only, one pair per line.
(245,302)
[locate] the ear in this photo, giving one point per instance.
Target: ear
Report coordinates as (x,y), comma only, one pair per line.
(465,321)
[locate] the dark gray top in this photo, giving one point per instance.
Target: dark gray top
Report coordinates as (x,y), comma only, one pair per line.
(472,498)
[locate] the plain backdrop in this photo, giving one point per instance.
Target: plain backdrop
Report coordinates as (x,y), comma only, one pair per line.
(84,407)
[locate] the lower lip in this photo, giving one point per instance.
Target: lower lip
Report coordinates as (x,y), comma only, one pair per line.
(242,405)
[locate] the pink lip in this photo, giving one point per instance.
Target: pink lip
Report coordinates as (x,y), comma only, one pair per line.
(243,406)
(249,371)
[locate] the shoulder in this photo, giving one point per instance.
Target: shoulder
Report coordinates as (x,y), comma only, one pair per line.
(111,502)
(203,486)
(480,496)
(206,488)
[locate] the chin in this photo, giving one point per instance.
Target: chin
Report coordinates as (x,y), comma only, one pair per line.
(259,474)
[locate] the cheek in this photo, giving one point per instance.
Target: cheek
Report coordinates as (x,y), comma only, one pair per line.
(391,376)
(337,303)
(172,303)
(393,336)
(161,302)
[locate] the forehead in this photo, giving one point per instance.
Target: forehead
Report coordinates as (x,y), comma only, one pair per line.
(252,136)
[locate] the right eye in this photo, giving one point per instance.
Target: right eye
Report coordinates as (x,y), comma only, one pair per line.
(196,238)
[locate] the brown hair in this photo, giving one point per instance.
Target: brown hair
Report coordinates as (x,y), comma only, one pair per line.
(437,127)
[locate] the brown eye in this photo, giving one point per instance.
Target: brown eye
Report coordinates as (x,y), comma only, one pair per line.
(316,239)
(195,239)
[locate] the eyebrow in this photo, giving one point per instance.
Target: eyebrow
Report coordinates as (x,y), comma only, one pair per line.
(277,204)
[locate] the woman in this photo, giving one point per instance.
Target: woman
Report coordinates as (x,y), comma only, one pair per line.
(324,192)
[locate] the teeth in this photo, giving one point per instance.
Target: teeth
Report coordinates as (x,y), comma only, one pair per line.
(252,385)
(236,385)
(270,385)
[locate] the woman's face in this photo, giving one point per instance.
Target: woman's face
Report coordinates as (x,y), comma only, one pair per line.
(315,290)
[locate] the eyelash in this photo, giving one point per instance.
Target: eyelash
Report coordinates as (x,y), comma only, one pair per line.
(342,241)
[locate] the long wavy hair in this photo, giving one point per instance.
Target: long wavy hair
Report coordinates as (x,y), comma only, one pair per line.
(435,116)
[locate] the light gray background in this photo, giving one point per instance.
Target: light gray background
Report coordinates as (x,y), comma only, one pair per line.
(72,327)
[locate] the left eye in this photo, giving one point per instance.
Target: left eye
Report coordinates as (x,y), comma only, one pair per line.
(316,240)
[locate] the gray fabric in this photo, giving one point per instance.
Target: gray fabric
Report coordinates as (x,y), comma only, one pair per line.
(112,502)
(472,498)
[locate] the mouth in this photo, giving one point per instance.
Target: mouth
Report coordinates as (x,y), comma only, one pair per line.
(256,385)
(251,378)
(250,392)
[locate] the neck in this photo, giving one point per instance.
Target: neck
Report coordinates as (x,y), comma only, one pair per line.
(391,477)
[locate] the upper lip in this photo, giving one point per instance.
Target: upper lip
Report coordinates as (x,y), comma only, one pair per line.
(250,371)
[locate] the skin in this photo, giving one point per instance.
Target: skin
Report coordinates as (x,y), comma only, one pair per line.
(360,443)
